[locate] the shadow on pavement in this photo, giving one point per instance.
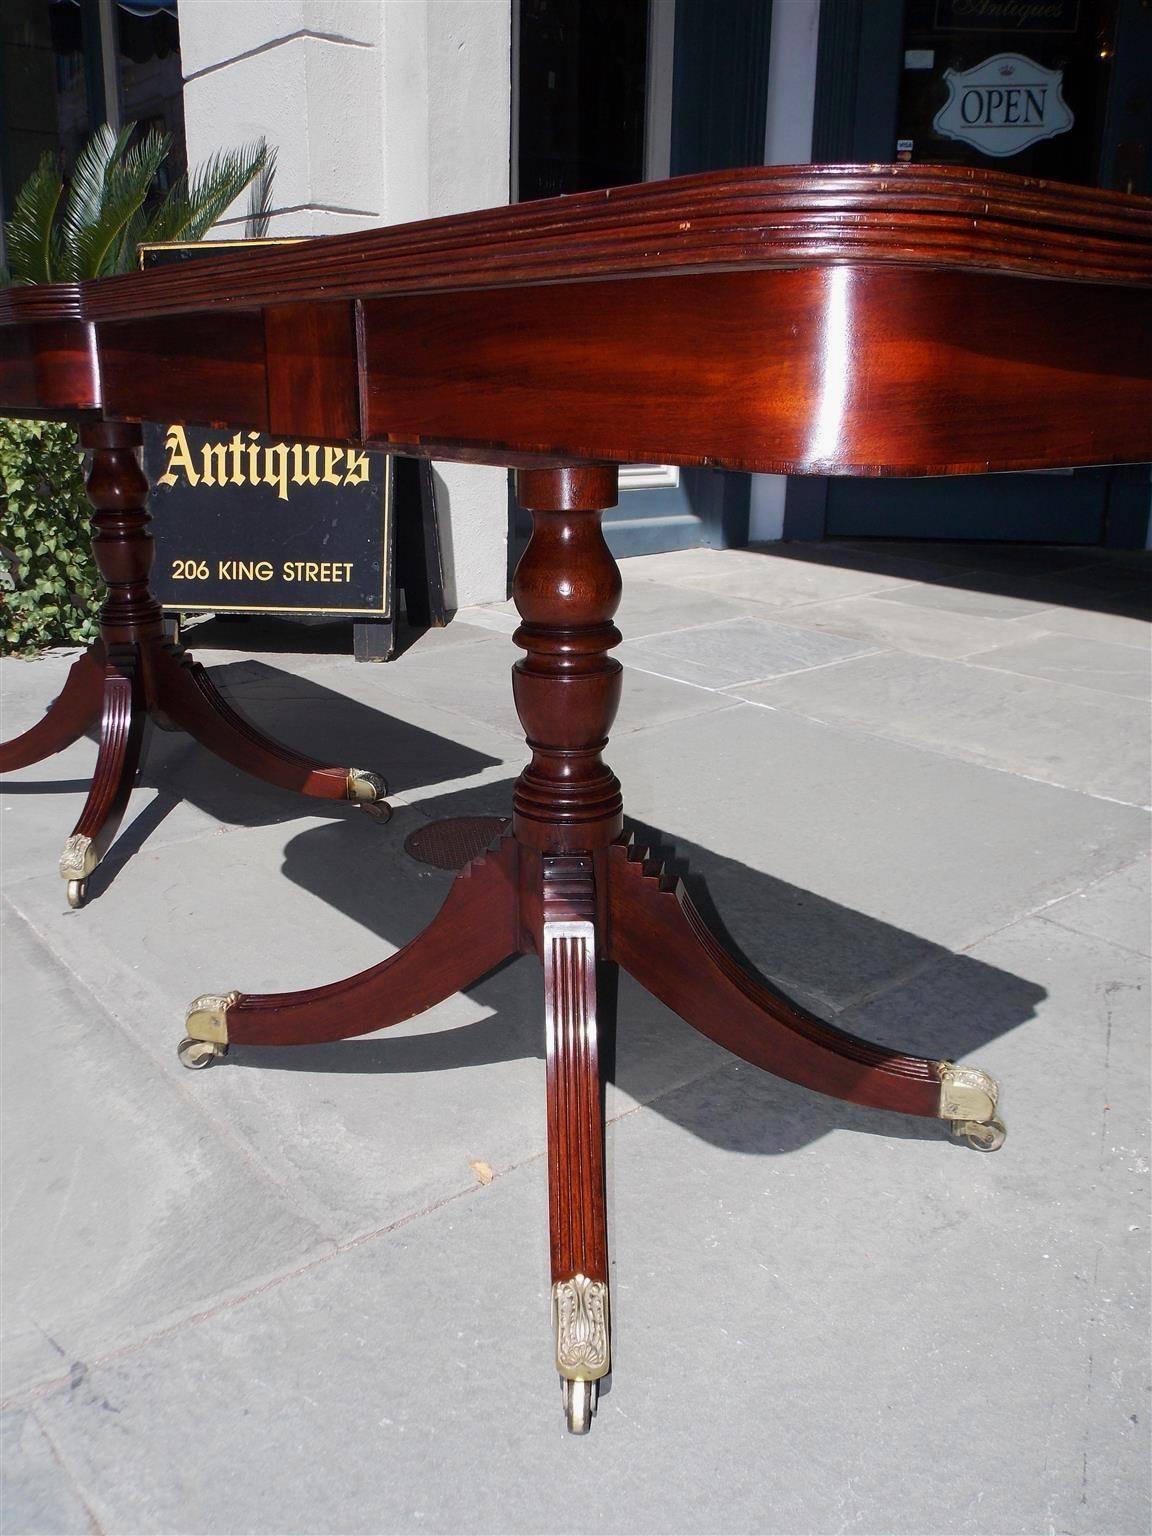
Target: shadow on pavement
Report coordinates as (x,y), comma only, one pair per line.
(296,711)
(1117,581)
(824,955)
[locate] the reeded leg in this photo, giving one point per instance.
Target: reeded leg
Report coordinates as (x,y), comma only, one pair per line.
(76,708)
(575,1136)
(658,935)
(185,692)
(475,930)
(121,738)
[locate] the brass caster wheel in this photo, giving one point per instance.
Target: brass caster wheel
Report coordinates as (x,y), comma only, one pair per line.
(985,1136)
(198,1054)
(580,1399)
(77,892)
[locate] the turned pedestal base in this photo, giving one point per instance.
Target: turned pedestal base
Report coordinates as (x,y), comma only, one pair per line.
(567,885)
(132,672)
(578,913)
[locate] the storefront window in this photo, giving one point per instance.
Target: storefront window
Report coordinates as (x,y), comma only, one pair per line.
(1018,85)
(66,66)
(580,95)
(148,75)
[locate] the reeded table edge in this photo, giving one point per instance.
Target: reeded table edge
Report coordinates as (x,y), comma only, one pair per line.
(760,218)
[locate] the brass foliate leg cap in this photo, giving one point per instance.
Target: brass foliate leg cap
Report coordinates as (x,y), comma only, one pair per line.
(79,858)
(365,786)
(583,1352)
(207,1017)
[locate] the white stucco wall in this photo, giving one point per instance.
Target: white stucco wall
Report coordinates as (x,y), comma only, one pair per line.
(382,111)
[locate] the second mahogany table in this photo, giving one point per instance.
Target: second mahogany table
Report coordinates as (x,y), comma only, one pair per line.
(868,320)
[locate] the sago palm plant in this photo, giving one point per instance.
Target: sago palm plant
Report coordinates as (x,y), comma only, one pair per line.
(94,227)
(91,228)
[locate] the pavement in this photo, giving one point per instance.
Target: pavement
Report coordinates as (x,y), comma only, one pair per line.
(307,1291)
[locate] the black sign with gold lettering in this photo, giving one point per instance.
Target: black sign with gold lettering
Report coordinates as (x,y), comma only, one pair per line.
(246,523)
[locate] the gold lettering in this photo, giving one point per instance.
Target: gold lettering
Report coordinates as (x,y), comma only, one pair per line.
(263,571)
(276,469)
(357,472)
(214,464)
(254,457)
(332,457)
(300,475)
(179,457)
(236,452)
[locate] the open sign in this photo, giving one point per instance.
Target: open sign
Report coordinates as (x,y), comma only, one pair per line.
(1003,105)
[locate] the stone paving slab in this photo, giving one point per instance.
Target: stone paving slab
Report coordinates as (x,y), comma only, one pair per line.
(1077,738)
(1118,908)
(1123,628)
(905,627)
(736,651)
(826,1318)
(787,1359)
(938,849)
(962,555)
(1078,660)
(37,1495)
(982,594)
(779,580)
(125,1207)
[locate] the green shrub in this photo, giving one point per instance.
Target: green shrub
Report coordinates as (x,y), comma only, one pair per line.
(49,579)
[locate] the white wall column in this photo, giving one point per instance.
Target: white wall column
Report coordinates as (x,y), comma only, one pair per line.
(787,141)
(382,111)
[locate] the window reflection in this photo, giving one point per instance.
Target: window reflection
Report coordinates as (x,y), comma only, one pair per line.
(62,75)
(148,74)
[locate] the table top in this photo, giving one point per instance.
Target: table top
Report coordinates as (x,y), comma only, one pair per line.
(821,319)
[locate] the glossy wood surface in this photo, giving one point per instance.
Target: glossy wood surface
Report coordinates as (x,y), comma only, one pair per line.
(568,949)
(567,688)
(860,370)
(865,320)
(841,320)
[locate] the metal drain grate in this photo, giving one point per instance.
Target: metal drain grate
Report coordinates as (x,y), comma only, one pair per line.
(456,841)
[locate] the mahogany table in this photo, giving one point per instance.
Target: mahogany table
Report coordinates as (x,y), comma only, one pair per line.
(865,320)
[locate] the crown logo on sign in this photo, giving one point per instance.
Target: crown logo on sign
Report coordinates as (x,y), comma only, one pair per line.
(1007,69)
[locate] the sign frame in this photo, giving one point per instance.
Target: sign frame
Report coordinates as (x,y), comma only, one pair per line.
(311,610)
